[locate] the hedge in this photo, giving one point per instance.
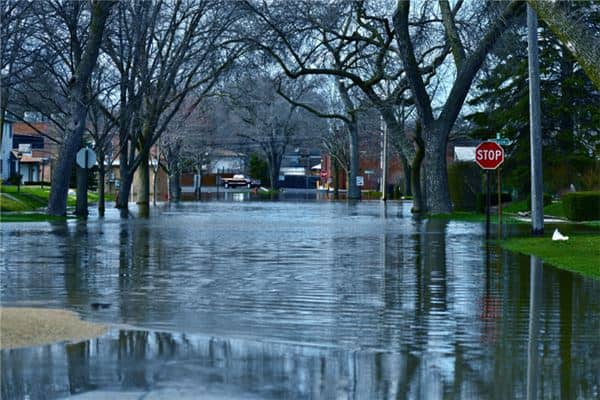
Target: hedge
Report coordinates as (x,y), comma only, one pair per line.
(464,181)
(582,206)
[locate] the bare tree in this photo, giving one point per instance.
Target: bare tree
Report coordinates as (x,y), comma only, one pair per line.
(268,120)
(16,48)
(355,44)
(467,64)
(85,60)
(163,52)
(186,144)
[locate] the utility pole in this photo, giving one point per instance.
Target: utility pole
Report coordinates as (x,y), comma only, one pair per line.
(537,205)
(384,161)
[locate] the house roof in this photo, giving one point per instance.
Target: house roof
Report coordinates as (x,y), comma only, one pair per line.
(225,153)
(27,158)
(29,129)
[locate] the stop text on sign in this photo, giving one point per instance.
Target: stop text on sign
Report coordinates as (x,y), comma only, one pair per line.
(489,155)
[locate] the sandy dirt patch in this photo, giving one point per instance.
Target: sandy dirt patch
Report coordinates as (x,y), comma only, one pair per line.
(24,327)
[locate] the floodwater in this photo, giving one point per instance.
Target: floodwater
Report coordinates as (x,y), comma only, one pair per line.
(297,300)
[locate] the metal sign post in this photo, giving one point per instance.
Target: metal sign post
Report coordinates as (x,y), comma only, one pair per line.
(499,204)
(86,159)
(489,156)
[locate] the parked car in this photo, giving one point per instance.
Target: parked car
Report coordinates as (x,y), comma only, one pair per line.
(240,180)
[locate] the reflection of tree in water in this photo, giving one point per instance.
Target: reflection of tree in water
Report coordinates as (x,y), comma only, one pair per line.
(395,312)
(141,282)
(84,272)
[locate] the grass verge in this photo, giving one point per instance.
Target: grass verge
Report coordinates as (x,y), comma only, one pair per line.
(31,198)
(30,217)
(580,254)
(554,209)
(469,216)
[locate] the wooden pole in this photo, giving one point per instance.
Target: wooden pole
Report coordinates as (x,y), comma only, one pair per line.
(488,203)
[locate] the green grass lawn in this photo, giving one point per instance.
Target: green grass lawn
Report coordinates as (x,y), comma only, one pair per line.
(579,254)
(31,198)
(554,209)
(471,216)
(29,217)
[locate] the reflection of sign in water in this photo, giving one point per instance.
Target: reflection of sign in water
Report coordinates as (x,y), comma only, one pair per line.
(360,181)
(86,158)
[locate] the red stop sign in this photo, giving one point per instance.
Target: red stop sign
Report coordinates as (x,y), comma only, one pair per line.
(489,155)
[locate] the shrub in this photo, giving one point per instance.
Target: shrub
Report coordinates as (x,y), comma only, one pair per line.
(38,183)
(582,206)
(464,181)
(14,178)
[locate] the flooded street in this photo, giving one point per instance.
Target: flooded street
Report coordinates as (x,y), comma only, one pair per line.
(299,300)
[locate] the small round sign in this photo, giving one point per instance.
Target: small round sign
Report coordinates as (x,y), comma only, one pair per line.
(489,155)
(86,158)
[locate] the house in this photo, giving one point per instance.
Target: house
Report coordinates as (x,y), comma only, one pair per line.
(300,168)
(370,167)
(224,161)
(33,150)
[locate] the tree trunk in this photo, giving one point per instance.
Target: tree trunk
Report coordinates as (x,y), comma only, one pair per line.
(154,178)
(199,187)
(274,165)
(419,205)
(407,172)
(437,194)
(122,201)
(143,198)
(57,202)
(81,208)
(353,189)
(175,185)
(101,185)
(336,183)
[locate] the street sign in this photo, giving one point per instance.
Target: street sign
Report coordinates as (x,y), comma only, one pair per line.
(86,158)
(489,155)
(360,181)
(501,142)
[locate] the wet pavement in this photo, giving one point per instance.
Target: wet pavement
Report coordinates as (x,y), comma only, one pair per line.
(297,299)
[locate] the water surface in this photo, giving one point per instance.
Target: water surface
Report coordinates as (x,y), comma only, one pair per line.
(298,299)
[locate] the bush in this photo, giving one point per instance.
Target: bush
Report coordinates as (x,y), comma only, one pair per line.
(464,181)
(14,179)
(39,183)
(582,206)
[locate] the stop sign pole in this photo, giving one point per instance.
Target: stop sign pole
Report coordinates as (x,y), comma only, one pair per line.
(489,156)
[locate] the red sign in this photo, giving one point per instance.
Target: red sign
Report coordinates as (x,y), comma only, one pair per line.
(489,155)
(323,173)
